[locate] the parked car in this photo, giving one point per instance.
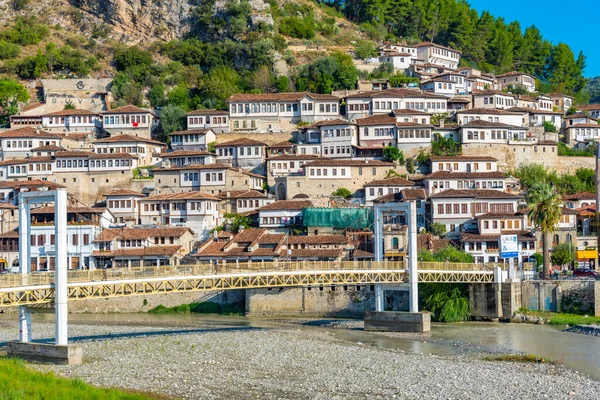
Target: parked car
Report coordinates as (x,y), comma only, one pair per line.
(586,273)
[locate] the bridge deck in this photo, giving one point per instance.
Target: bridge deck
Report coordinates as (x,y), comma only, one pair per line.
(38,288)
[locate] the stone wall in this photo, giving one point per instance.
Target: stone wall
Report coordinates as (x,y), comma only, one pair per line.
(576,296)
(143,303)
(511,156)
(351,301)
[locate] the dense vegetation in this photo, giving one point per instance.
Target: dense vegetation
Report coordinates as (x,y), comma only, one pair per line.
(582,181)
(446,302)
(18,382)
(489,43)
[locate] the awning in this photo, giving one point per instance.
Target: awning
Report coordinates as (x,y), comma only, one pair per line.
(585,254)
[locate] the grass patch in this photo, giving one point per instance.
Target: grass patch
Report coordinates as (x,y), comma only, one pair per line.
(19,382)
(554,318)
(198,308)
(522,358)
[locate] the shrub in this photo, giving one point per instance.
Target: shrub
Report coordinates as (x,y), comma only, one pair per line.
(437,229)
(8,50)
(365,49)
(296,27)
(343,192)
(549,127)
(133,56)
(446,302)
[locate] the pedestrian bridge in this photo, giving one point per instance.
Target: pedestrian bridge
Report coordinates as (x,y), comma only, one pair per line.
(38,288)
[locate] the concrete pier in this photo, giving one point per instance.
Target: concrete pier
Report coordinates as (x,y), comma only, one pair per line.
(45,353)
(397,321)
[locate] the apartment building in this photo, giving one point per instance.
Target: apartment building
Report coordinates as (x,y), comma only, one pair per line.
(515,78)
(195,210)
(192,139)
(135,247)
(276,112)
(147,151)
(215,120)
(457,209)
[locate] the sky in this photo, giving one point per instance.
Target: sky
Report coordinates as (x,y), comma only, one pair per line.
(574,23)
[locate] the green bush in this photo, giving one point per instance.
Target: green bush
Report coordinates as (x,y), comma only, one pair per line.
(296,27)
(8,50)
(549,127)
(446,302)
(342,192)
(437,229)
(129,57)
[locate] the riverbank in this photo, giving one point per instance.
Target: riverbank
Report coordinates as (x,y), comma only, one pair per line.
(272,360)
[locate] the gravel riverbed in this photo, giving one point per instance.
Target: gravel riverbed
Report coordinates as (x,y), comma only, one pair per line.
(211,361)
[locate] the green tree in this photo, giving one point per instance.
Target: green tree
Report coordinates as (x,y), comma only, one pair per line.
(342,192)
(563,254)
(545,211)
(365,49)
(392,153)
(549,126)
(11,94)
(179,96)
(437,229)
(220,83)
(172,119)
(129,57)
(282,84)
(156,95)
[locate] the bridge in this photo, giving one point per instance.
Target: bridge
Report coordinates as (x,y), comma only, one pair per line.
(39,288)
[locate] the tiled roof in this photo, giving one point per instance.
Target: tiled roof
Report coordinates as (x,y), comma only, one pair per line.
(48,148)
(490,111)
(295,157)
(513,73)
(70,209)
(127,138)
(286,205)
(474,193)
(283,145)
(242,194)
(466,175)
(409,111)
(130,109)
(290,96)
(109,234)
(330,122)
(524,236)
(397,181)
(412,125)
(396,92)
(162,250)
(124,192)
(348,163)
(241,143)
(462,158)
(381,119)
(28,132)
(183,153)
(579,115)
(479,123)
(580,196)
(190,132)
(32,184)
(403,195)
(194,167)
(208,112)
(182,196)
(428,44)
(491,93)
(459,100)
(532,111)
(583,126)
(498,215)
(69,113)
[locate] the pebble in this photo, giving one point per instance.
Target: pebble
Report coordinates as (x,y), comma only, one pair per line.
(287,363)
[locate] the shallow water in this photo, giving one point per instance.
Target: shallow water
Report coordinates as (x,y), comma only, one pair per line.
(576,351)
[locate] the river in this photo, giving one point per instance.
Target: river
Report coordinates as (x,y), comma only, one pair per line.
(576,351)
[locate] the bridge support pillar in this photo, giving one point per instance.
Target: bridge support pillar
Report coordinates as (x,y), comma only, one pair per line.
(379,297)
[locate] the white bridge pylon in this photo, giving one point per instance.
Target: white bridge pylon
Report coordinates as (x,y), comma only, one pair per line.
(409,209)
(26,200)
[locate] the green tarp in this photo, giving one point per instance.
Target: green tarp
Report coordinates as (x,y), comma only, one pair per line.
(340,218)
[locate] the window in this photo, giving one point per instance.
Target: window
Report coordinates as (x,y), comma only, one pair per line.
(440,208)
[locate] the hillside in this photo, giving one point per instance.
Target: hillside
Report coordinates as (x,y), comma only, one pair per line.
(191,54)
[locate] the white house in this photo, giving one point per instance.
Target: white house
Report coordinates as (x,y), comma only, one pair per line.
(243,153)
(335,136)
(437,54)
(17,143)
(123,205)
(130,120)
(195,210)
(281,215)
(215,120)
(273,112)
(72,121)
(361,105)
(515,78)
(148,151)
(493,99)
(512,116)
(456,209)
(192,139)
(381,187)
(480,131)
(182,158)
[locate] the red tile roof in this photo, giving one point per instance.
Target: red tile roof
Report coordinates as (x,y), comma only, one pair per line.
(69,113)
(208,112)
(474,193)
(397,181)
(466,175)
(28,132)
(129,109)
(241,143)
(286,205)
(289,96)
(126,139)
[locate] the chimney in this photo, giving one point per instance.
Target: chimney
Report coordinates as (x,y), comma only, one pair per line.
(228,194)
(441,123)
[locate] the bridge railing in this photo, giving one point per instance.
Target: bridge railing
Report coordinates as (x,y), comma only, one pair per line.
(45,278)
